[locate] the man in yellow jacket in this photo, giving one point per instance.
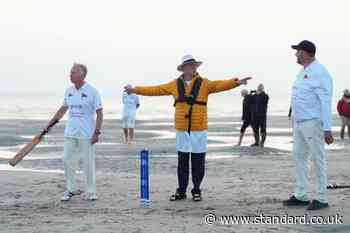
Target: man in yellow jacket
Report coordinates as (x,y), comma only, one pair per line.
(190,92)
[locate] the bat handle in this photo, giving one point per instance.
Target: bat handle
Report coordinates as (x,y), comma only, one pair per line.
(45,131)
(52,124)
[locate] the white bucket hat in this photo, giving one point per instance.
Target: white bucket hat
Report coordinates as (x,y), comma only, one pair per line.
(188,59)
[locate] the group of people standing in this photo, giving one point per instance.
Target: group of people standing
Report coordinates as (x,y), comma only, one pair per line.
(311,104)
(254,114)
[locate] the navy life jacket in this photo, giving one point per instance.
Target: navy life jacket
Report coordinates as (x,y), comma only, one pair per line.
(191,99)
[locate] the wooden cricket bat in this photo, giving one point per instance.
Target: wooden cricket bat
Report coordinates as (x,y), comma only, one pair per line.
(30,146)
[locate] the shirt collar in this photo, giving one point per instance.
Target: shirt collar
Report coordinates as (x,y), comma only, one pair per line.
(82,87)
(310,66)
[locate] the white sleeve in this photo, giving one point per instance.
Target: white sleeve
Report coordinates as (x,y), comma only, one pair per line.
(97,101)
(324,92)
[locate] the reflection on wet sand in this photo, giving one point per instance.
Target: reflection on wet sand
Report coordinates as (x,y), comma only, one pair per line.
(159,137)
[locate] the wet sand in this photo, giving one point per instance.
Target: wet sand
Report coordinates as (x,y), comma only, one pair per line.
(239,181)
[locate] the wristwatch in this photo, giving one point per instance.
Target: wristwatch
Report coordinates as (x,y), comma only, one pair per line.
(97,132)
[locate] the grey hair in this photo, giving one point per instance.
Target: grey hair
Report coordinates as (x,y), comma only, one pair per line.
(244,91)
(83,68)
(262,86)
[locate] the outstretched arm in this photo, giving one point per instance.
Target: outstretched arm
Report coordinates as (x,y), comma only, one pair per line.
(224,85)
(159,90)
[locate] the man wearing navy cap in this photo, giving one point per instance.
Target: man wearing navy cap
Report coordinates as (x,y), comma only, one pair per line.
(312,115)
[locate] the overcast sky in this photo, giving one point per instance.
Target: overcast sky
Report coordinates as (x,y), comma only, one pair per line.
(142,42)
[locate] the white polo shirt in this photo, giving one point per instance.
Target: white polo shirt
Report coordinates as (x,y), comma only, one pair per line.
(82,105)
(312,95)
(130,101)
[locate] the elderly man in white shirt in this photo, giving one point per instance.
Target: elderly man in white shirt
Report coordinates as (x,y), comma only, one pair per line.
(131,103)
(81,132)
(312,115)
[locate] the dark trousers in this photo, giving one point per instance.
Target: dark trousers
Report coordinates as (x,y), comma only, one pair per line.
(183,168)
(259,124)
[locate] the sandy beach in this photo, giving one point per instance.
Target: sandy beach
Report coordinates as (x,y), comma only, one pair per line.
(240,181)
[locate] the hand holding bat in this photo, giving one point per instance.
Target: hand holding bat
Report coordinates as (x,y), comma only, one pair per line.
(30,146)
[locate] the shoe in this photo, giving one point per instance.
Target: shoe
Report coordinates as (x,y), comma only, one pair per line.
(293,201)
(67,195)
(196,196)
(92,197)
(317,205)
(178,196)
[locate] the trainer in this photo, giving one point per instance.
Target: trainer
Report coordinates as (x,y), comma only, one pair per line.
(81,132)
(312,114)
(190,92)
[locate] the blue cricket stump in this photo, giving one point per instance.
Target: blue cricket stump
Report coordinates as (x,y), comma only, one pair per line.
(144,178)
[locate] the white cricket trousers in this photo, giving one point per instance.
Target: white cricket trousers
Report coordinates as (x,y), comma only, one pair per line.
(73,148)
(309,140)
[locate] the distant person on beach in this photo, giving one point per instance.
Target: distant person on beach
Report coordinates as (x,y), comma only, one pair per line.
(259,115)
(312,124)
(82,131)
(246,113)
(131,103)
(290,113)
(190,92)
(343,108)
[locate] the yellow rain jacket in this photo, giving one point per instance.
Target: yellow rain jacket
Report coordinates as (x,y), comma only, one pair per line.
(199,112)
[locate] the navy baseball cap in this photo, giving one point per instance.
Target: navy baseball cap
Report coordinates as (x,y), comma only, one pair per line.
(306,46)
